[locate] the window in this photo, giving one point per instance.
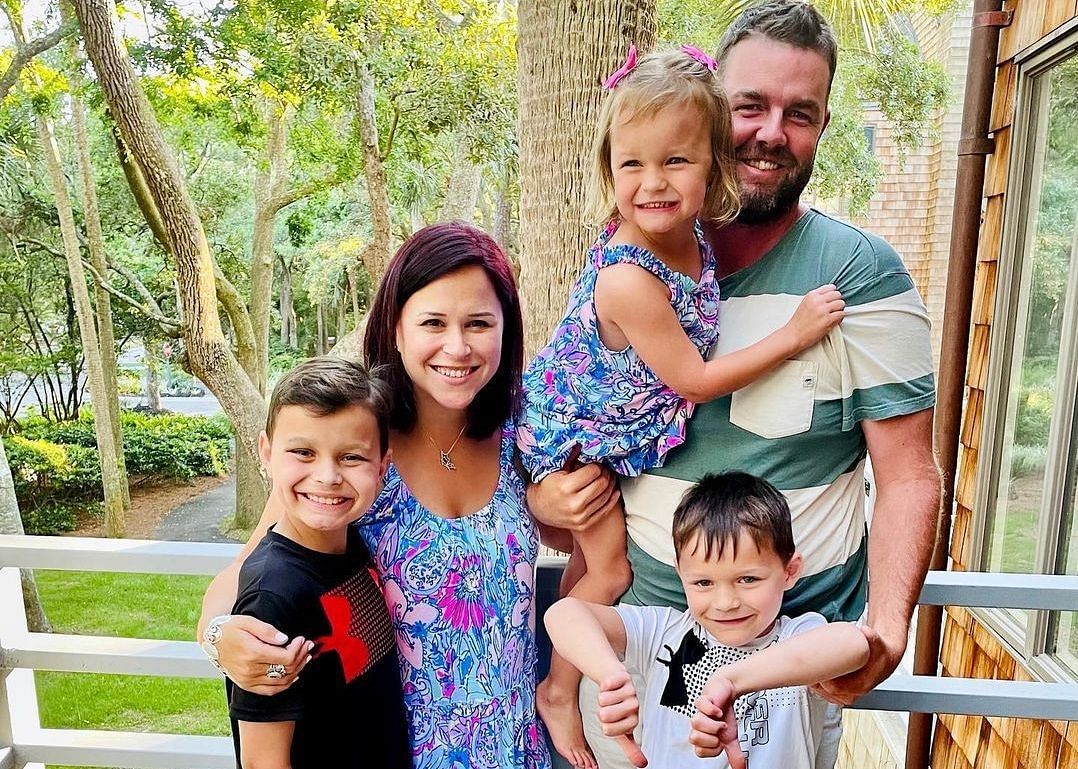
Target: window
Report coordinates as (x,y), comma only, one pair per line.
(1028,483)
(870,137)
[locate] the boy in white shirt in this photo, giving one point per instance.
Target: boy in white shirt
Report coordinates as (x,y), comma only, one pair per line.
(729,676)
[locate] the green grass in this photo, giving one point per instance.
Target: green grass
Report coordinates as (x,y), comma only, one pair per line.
(137,606)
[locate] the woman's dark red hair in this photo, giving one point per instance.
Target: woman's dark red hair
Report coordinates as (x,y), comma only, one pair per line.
(432,253)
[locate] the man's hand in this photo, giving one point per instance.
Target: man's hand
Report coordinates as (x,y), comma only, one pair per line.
(883,657)
(714,727)
(249,646)
(574,499)
(619,712)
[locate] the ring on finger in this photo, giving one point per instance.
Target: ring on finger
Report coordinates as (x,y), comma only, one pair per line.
(275,671)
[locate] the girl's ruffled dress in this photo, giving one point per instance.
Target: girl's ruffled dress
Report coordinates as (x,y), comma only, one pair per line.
(460,593)
(578,391)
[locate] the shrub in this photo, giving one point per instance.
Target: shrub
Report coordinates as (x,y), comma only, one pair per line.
(1034,417)
(165,445)
(45,472)
(49,519)
(1027,460)
(57,473)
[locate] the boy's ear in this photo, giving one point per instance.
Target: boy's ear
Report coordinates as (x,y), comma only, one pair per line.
(386,459)
(793,570)
(264,450)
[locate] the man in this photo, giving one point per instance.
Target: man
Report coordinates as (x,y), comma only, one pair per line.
(805,427)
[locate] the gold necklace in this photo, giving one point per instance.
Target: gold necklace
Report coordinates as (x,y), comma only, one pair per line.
(443,456)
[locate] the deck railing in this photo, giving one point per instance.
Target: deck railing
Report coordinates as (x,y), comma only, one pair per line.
(24,742)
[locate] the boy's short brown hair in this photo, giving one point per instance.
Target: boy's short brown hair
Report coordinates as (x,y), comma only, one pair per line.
(327,384)
(720,507)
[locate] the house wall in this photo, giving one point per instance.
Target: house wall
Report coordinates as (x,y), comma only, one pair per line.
(912,206)
(968,648)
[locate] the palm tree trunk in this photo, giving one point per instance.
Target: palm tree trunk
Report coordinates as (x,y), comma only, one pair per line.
(565,48)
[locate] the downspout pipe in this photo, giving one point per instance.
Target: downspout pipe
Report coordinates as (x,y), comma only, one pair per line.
(974,146)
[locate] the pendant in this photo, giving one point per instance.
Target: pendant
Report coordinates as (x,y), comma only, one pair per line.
(447,463)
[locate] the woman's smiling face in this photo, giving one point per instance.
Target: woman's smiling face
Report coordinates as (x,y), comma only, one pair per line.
(450,338)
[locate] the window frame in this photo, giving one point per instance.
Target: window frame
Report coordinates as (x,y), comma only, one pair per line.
(1029,641)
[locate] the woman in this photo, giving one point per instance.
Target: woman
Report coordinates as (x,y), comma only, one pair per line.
(453,542)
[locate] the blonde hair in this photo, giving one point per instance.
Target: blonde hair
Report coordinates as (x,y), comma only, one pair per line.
(658,81)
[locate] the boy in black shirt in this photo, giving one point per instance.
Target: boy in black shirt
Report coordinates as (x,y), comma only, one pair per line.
(324,448)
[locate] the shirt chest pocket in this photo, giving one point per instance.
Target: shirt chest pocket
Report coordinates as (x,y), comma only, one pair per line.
(779,404)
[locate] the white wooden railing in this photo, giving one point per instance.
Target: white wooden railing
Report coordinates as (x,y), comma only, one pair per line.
(25,743)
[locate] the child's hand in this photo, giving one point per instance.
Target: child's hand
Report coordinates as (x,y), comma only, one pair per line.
(819,312)
(714,727)
(619,711)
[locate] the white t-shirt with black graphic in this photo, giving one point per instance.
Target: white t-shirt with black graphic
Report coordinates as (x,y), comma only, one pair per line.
(778,728)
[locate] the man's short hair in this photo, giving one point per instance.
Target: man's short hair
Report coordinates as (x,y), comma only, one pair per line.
(792,22)
(327,384)
(715,511)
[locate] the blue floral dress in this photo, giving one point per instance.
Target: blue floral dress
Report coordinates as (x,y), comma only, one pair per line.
(578,391)
(460,593)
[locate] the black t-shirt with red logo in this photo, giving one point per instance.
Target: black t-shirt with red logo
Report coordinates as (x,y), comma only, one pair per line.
(347,702)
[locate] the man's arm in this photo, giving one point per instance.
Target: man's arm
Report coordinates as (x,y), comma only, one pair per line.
(900,542)
(266,745)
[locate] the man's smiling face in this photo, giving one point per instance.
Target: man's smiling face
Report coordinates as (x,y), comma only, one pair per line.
(778,100)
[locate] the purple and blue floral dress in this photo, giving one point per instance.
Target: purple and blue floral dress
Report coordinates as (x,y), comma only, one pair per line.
(578,391)
(460,593)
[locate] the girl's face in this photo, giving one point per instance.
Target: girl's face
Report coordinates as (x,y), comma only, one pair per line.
(660,165)
(449,336)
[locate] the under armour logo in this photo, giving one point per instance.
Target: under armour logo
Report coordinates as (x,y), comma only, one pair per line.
(352,650)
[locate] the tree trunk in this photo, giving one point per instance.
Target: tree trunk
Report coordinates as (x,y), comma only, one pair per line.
(320,339)
(464,180)
(353,293)
(112,478)
(504,227)
(565,49)
(287,308)
(375,256)
(208,352)
(269,185)
(96,241)
(251,492)
(11,523)
(152,385)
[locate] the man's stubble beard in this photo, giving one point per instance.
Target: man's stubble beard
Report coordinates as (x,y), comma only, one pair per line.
(763,207)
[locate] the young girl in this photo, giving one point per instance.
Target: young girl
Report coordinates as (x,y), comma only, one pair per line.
(619,379)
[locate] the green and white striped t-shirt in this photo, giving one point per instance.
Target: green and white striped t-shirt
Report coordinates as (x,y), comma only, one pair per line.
(798,426)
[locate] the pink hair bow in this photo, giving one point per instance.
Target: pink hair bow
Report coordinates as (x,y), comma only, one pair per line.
(700,56)
(620,73)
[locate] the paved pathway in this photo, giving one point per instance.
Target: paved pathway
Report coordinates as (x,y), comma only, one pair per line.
(199,519)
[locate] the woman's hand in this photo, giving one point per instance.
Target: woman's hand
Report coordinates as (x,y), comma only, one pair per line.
(247,648)
(574,499)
